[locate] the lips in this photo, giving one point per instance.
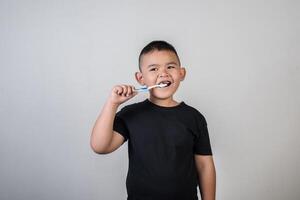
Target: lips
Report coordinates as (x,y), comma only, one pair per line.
(166,82)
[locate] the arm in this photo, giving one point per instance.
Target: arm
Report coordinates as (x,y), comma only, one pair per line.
(103,139)
(207,176)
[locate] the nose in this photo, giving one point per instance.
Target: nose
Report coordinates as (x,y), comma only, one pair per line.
(163,73)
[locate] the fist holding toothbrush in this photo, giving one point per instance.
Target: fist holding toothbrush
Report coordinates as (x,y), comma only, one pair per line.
(122,93)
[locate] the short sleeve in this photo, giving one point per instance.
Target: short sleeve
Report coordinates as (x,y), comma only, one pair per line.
(119,126)
(202,142)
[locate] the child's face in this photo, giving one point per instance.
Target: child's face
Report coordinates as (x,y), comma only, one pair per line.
(158,66)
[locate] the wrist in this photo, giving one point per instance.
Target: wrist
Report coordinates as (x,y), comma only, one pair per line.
(112,104)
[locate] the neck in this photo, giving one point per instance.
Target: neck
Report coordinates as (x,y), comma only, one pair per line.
(169,102)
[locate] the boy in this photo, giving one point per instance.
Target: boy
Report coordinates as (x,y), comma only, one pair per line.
(168,143)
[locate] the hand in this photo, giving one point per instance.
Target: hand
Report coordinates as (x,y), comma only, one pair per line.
(122,93)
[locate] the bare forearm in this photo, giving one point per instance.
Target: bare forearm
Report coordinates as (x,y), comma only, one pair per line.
(207,180)
(102,133)
(103,129)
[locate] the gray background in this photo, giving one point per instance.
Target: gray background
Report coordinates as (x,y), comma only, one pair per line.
(60,59)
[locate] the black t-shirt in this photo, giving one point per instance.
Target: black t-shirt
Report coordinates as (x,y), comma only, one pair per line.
(162,142)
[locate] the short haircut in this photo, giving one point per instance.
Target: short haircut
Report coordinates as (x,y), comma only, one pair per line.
(158,45)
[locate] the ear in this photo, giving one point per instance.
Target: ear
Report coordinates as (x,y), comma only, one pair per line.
(139,78)
(182,73)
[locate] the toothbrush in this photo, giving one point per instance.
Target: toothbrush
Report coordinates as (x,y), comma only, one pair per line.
(145,88)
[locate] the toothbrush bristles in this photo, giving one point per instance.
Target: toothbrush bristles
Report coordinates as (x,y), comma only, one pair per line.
(163,85)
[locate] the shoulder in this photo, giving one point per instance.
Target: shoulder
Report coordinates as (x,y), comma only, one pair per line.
(131,109)
(197,115)
(132,106)
(193,110)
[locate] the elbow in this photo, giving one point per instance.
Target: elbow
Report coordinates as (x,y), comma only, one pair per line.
(97,149)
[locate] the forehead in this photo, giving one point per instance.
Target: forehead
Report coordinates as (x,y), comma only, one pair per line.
(158,57)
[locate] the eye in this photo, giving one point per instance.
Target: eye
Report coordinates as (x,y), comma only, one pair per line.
(153,69)
(171,66)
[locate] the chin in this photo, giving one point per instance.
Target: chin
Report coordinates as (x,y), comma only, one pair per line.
(162,95)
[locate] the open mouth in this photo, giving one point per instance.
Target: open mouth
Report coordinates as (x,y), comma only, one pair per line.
(168,83)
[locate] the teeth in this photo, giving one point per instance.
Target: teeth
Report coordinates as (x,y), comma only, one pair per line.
(166,82)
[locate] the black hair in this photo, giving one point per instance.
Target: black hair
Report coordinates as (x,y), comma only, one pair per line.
(158,45)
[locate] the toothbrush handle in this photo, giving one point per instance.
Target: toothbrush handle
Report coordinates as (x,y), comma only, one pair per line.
(145,89)
(141,90)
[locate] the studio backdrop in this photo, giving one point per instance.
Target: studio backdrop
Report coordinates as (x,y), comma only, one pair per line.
(60,59)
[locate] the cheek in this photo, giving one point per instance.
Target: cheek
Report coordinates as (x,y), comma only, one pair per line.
(176,76)
(150,76)
(150,79)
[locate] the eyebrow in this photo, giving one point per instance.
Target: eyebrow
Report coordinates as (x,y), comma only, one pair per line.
(153,65)
(169,63)
(172,63)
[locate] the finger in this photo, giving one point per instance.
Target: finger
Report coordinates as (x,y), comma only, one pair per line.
(134,92)
(124,90)
(129,91)
(115,89)
(118,89)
